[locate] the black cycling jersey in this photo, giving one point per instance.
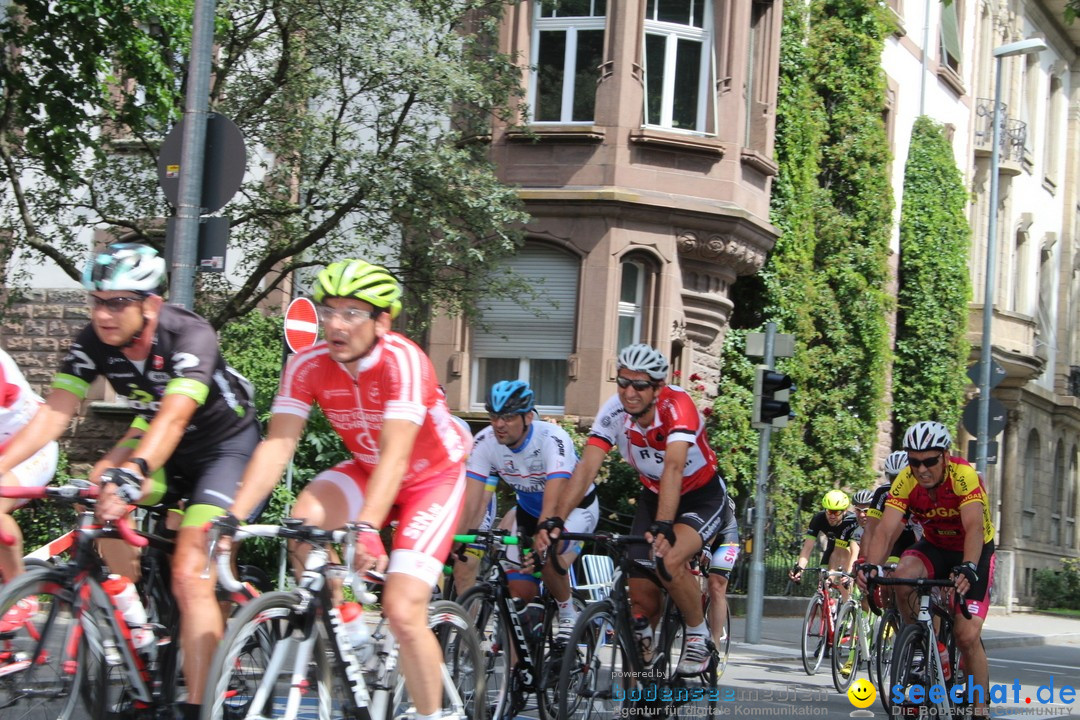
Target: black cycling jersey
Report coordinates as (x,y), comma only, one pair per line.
(839,535)
(185,359)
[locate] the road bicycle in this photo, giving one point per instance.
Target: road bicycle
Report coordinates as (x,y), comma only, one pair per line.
(820,620)
(918,660)
(520,648)
(606,672)
(73,649)
(886,630)
(851,642)
(309,668)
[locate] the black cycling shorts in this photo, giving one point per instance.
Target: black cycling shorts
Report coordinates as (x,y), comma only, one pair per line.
(701,509)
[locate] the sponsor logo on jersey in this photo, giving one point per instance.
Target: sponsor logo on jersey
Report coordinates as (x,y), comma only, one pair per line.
(421,521)
(939,512)
(373,393)
(139,399)
(182,361)
(80,360)
(113,360)
(157,362)
(158,377)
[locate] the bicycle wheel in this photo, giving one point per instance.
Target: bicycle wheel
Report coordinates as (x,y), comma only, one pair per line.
(888,628)
(463,665)
(252,670)
(42,649)
(478,602)
(814,638)
(549,655)
(845,654)
(910,666)
(723,650)
(594,669)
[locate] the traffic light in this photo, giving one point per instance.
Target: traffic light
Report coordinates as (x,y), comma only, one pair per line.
(772,393)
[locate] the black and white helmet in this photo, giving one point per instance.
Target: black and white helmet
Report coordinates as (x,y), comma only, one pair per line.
(895,463)
(862,497)
(125,266)
(643,358)
(927,435)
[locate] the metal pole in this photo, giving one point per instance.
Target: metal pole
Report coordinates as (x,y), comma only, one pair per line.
(983,439)
(189,202)
(755,597)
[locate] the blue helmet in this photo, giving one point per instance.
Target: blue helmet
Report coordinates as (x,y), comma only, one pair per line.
(510,396)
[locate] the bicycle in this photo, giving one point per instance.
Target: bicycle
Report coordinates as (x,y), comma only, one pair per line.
(917,661)
(505,635)
(309,659)
(603,652)
(886,630)
(819,623)
(74,645)
(851,642)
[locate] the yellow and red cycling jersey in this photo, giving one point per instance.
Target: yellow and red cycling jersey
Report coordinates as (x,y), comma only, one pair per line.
(940,516)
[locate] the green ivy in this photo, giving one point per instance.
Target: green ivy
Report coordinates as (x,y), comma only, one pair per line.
(934,291)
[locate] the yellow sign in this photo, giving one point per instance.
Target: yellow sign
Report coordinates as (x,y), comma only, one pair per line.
(862,693)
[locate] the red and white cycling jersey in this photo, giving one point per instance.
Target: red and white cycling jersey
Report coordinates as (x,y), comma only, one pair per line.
(676,419)
(18,402)
(395,381)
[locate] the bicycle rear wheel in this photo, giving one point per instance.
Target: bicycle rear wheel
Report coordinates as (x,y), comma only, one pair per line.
(814,640)
(43,650)
(845,654)
(592,681)
(252,670)
(479,605)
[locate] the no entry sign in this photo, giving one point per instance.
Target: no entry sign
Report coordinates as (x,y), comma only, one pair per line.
(301,324)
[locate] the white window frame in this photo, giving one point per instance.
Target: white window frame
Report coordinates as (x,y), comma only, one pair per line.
(636,309)
(672,33)
(479,394)
(570,25)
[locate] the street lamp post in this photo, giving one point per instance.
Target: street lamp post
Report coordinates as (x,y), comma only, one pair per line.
(1023,47)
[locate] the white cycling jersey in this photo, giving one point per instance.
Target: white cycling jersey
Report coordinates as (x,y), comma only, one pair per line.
(547,453)
(18,402)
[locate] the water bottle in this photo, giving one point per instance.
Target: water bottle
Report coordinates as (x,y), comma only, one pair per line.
(943,652)
(356,629)
(643,633)
(127,600)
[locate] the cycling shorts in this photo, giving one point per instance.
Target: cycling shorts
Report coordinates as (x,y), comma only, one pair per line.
(209,478)
(580,520)
(37,470)
(701,509)
(722,557)
(426,514)
(939,562)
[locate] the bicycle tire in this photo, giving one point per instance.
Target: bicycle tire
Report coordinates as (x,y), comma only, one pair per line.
(463,661)
(814,636)
(888,630)
(257,636)
(593,656)
(910,664)
(479,605)
(36,679)
(549,655)
(845,650)
(723,649)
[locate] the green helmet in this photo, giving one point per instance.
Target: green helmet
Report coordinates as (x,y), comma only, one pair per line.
(835,500)
(361,280)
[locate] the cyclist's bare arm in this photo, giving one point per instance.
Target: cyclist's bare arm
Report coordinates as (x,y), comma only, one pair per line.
(890,527)
(585,472)
(165,432)
(804,554)
(971,515)
(671,480)
(268,462)
(119,453)
(477,495)
(48,424)
(395,448)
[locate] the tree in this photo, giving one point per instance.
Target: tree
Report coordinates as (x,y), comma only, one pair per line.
(345,108)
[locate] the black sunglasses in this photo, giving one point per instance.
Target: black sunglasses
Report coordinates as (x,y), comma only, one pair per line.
(927,463)
(112,305)
(638,385)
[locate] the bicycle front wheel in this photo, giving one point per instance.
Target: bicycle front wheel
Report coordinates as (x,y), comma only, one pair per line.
(463,666)
(845,654)
(479,605)
(814,636)
(549,654)
(888,629)
(910,666)
(252,673)
(593,679)
(43,650)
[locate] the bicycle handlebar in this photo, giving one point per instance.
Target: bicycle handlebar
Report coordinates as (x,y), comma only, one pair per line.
(921,584)
(75,492)
(613,540)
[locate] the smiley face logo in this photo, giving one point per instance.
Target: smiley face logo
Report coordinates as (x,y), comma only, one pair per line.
(862,693)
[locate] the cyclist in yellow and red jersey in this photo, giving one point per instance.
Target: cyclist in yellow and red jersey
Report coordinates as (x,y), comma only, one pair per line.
(946,497)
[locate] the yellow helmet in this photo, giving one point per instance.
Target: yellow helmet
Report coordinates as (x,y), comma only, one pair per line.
(361,280)
(835,500)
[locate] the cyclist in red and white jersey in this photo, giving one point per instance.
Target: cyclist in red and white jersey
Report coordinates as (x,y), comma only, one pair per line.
(379,392)
(661,433)
(18,405)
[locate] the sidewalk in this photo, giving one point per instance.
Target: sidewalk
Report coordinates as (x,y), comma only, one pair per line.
(781,634)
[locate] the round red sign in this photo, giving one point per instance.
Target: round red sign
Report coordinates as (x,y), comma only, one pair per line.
(301,324)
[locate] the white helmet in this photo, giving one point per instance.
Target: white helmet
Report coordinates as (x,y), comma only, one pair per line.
(125,266)
(643,358)
(896,462)
(927,435)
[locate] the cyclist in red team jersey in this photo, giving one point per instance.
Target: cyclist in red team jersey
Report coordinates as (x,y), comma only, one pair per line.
(379,392)
(946,497)
(660,432)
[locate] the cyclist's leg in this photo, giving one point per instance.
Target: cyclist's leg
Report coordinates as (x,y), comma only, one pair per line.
(333,498)
(580,520)
(428,513)
(914,563)
(35,471)
(724,555)
(523,584)
(465,570)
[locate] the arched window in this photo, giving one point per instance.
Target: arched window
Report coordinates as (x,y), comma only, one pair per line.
(1032,473)
(530,338)
(1073,485)
(1057,495)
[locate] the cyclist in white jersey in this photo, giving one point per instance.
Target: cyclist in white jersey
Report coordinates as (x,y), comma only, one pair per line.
(536,458)
(18,404)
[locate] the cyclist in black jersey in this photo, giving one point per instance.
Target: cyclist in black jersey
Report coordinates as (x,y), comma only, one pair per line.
(838,526)
(195,424)
(911,533)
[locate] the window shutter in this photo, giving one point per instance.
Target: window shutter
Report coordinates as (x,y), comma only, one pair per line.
(950,31)
(517,331)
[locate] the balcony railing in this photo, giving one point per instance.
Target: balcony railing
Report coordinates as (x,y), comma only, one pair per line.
(1013,132)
